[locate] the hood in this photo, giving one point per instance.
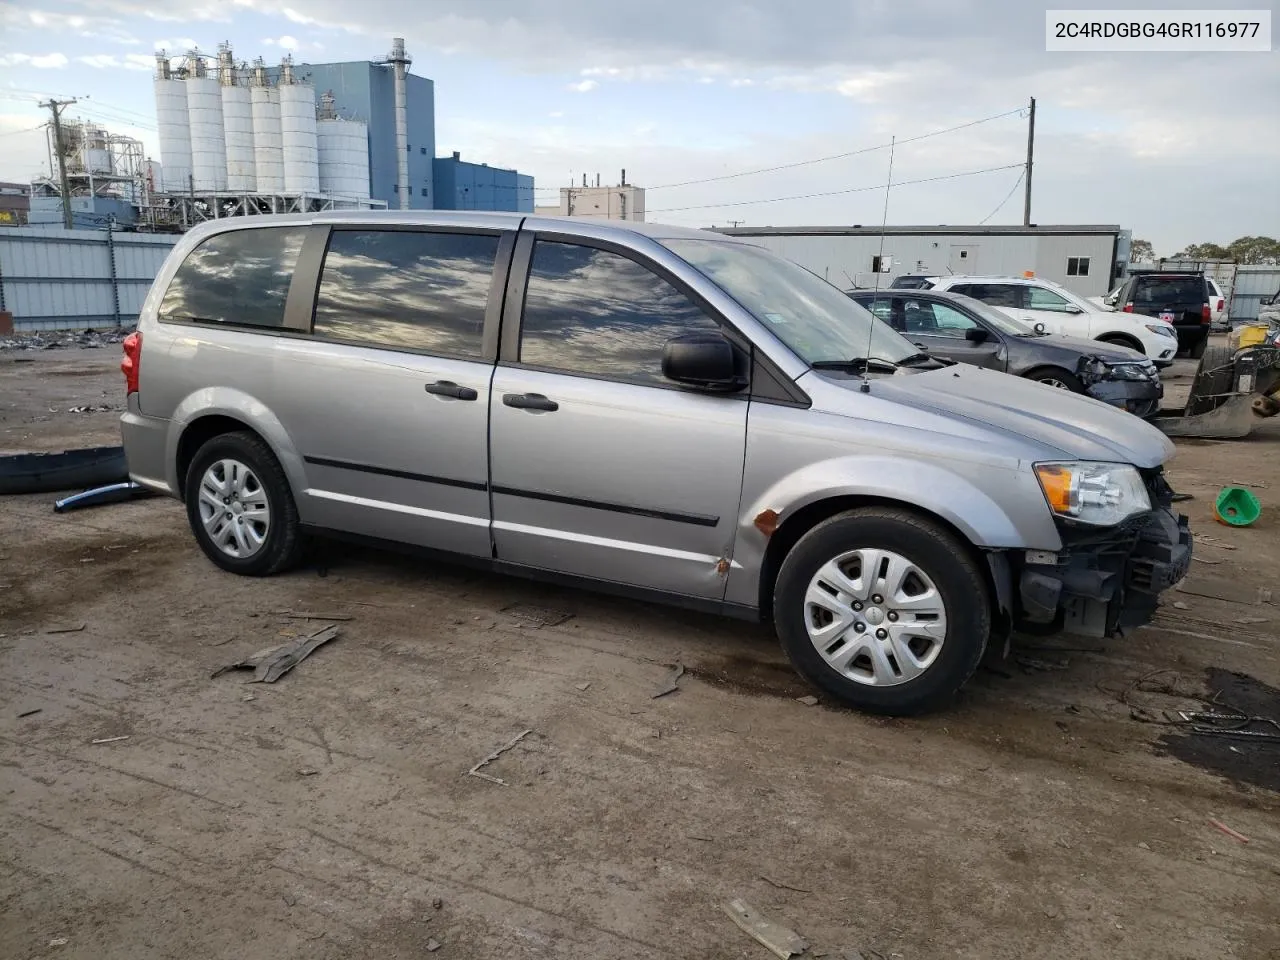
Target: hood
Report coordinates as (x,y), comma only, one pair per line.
(1109,352)
(1076,427)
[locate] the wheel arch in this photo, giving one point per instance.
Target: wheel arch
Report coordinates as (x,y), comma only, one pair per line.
(993,564)
(1122,340)
(211,412)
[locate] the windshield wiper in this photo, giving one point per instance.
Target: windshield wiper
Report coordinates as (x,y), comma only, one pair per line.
(855,365)
(914,360)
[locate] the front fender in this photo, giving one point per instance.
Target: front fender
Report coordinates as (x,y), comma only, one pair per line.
(238,405)
(1007,511)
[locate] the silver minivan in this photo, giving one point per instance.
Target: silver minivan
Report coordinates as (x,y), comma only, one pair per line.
(665,413)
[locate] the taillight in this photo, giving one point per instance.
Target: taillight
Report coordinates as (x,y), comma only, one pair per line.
(132,361)
(1205,314)
(1221,304)
(1128,307)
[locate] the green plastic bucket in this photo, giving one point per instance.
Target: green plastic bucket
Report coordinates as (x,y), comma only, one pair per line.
(1236,507)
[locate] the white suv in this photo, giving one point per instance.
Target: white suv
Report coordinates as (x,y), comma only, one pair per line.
(1036,301)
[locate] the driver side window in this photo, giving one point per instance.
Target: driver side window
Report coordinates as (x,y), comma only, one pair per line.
(1039,298)
(594,313)
(951,322)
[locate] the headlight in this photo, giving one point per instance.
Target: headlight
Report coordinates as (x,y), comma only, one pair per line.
(1101,494)
(1130,371)
(1161,328)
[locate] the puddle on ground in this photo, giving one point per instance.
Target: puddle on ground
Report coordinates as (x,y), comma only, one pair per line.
(1250,762)
(757,677)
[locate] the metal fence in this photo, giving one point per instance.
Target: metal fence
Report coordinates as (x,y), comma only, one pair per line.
(57,279)
(1253,283)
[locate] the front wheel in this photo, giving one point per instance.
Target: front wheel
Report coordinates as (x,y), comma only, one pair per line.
(883,609)
(240,507)
(1057,378)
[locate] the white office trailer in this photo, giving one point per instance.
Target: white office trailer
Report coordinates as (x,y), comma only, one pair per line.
(1085,259)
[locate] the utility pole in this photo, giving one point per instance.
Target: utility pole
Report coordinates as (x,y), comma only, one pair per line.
(1031,146)
(56,107)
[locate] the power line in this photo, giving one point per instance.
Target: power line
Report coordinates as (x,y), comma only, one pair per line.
(1006,198)
(838,156)
(835,193)
(14,133)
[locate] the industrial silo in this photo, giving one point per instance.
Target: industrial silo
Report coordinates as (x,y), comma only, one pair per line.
(298,132)
(268,154)
(97,154)
(237,125)
(174,128)
(208,139)
(342,147)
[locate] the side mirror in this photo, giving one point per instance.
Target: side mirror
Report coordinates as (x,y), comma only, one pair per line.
(706,360)
(977,335)
(1039,328)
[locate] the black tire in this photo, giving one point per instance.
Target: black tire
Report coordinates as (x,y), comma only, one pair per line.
(1198,348)
(943,558)
(283,545)
(1047,374)
(1118,341)
(68,470)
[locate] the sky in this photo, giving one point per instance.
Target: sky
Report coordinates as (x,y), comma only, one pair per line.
(1180,148)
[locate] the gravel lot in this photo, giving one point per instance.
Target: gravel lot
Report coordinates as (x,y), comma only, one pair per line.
(331,815)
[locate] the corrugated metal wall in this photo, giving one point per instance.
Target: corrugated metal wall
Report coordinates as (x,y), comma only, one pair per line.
(1252,284)
(58,279)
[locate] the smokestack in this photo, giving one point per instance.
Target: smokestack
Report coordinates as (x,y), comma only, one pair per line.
(400,61)
(584,179)
(624,176)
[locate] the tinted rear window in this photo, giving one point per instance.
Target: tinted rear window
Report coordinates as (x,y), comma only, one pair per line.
(406,289)
(1158,290)
(240,278)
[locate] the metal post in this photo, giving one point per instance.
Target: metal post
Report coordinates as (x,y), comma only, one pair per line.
(1031,144)
(111,268)
(56,107)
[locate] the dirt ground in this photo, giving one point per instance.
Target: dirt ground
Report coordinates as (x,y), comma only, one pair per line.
(1051,813)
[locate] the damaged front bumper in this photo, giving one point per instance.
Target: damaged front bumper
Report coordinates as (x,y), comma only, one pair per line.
(1133,387)
(1104,581)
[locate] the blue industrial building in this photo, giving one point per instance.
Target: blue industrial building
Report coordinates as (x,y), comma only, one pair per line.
(366,91)
(461,185)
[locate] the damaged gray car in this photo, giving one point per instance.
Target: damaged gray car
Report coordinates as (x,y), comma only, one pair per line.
(955,327)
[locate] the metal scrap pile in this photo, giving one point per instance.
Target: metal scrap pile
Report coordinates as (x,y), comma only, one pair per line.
(59,339)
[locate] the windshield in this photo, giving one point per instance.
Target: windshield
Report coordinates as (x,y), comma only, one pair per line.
(816,320)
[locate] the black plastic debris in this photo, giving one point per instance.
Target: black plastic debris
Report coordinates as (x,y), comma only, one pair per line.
(98,496)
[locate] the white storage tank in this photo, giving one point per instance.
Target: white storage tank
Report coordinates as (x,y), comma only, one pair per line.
(268,154)
(343,149)
(174,125)
(237,122)
(208,139)
(298,138)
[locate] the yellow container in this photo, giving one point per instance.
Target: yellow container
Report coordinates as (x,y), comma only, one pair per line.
(1248,336)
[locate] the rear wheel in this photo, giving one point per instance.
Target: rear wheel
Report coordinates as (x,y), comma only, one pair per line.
(240,507)
(1056,377)
(883,609)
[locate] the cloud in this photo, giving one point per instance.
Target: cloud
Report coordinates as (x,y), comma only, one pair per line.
(47,61)
(288,42)
(175,44)
(584,86)
(105,61)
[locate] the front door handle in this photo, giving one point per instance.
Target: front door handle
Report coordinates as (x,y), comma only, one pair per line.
(447,388)
(529,401)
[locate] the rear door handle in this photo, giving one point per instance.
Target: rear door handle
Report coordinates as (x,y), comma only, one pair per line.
(447,388)
(529,401)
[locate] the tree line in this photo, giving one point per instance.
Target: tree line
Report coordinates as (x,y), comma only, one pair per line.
(1242,250)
